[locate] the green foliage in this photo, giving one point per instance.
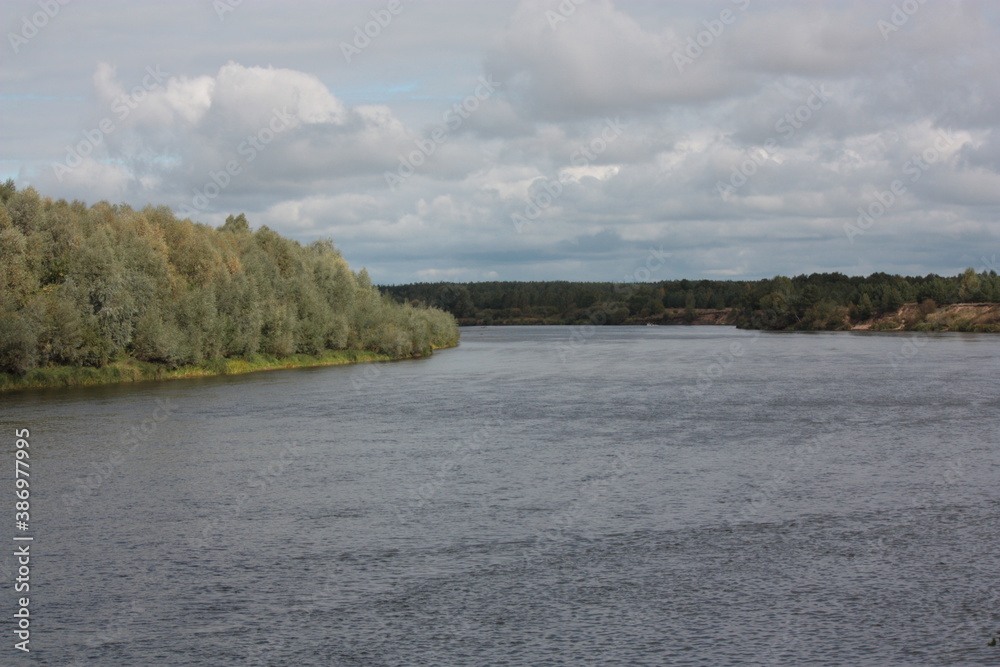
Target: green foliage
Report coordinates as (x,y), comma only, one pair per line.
(7,190)
(816,301)
(236,224)
(17,281)
(824,315)
(24,208)
(18,343)
(85,287)
(689,306)
(970,287)
(864,309)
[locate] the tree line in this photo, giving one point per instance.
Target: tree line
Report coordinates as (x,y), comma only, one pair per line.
(820,301)
(88,285)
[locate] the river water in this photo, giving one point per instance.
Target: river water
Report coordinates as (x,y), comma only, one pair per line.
(536,496)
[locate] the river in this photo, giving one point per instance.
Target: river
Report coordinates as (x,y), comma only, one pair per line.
(536,496)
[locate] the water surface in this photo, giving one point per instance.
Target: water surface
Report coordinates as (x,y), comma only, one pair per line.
(543,496)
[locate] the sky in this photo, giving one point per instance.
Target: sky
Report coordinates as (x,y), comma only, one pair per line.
(437,140)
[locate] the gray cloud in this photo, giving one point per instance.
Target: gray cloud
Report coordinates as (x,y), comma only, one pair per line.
(746,138)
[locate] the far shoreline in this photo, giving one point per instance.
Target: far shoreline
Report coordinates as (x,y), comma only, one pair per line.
(956,317)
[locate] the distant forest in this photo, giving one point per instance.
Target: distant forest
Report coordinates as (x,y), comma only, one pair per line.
(88,285)
(821,301)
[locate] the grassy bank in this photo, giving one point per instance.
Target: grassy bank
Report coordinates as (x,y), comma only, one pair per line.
(131,370)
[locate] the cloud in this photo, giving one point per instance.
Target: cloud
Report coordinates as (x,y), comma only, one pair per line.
(750,133)
(598,60)
(176,131)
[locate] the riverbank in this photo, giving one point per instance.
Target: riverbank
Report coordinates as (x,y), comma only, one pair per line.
(963,317)
(669,317)
(130,370)
(967,317)
(681,317)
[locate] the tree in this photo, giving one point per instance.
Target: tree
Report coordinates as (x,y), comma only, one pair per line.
(83,285)
(17,281)
(969,287)
(18,344)
(24,208)
(7,190)
(890,299)
(454,299)
(864,308)
(236,225)
(824,315)
(689,303)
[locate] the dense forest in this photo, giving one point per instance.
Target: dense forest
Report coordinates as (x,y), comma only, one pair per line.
(824,301)
(87,286)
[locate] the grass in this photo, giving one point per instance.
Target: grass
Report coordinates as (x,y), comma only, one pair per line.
(131,370)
